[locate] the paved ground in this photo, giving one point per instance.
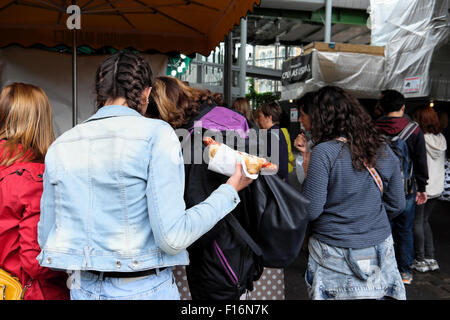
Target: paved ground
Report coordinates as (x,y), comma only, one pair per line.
(425,286)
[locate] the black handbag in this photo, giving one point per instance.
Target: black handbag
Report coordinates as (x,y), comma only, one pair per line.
(280,219)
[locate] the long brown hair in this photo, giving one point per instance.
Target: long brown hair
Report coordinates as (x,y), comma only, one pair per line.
(25,123)
(428,120)
(175,101)
(337,113)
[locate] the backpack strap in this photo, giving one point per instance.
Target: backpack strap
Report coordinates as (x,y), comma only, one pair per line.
(407,131)
(243,234)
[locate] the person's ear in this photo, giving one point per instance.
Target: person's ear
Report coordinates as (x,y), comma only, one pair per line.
(403,108)
(147,93)
(145,99)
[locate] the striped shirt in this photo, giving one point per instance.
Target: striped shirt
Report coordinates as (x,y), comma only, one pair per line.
(347,209)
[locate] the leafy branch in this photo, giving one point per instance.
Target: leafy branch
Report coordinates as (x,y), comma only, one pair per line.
(257,98)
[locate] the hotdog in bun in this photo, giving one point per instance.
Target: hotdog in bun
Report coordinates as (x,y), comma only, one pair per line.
(253,163)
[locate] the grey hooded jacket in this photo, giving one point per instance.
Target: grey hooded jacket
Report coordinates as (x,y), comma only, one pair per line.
(435,146)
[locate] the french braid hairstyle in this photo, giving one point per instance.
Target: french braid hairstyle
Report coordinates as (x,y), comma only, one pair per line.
(337,113)
(123,75)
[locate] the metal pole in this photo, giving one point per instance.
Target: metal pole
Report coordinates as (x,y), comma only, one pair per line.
(328,9)
(228,81)
(277,47)
(74,79)
(242,57)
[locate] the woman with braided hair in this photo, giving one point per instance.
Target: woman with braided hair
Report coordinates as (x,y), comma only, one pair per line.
(112,206)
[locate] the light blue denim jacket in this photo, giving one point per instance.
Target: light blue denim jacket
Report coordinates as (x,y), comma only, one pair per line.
(113,197)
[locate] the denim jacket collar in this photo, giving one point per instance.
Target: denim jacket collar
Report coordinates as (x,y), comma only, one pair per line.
(114,111)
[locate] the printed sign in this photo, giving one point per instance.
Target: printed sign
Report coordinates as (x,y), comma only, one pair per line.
(411,85)
(296,69)
(294,114)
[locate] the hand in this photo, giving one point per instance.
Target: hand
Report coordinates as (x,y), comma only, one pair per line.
(421,198)
(239,180)
(300,143)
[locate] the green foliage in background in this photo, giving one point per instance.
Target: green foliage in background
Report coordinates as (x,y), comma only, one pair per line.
(256,99)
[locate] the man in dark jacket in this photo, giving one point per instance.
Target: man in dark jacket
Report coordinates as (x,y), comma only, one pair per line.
(394,121)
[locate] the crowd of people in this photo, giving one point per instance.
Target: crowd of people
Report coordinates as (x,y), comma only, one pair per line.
(110,207)
(422,162)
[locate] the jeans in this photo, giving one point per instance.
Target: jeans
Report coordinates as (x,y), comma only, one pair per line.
(423,236)
(343,273)
(88,286)
(402,232)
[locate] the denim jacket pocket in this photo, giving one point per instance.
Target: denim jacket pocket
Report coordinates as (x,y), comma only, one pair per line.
(340,273)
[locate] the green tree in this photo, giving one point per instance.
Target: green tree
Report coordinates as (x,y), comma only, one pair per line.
(256,98)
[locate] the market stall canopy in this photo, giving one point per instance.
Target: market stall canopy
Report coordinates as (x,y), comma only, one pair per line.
(145,25)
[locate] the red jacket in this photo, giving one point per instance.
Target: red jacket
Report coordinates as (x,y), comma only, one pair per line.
(20,196)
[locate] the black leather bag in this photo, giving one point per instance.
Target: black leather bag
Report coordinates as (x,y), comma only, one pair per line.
(267,228)
(281,219)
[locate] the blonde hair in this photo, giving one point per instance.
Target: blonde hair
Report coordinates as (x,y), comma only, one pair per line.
(241,105)
(25,123)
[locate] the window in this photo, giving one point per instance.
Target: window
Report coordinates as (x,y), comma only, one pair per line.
(269,62)
(262,59)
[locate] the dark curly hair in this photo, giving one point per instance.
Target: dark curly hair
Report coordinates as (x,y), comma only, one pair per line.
(337,113)
(208,97)
(306,102)
(124,74)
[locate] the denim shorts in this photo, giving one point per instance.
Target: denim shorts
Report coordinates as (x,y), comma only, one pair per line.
(336,273)
(88,286)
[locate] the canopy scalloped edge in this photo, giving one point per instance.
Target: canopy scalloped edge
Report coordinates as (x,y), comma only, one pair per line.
(165,43)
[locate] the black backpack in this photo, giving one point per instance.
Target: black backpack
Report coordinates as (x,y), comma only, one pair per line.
(222,266)
(400,148)
(266,229)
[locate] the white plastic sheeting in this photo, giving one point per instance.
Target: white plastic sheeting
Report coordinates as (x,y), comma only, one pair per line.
(52,72)
(360,74)
(411,31)
(390,18)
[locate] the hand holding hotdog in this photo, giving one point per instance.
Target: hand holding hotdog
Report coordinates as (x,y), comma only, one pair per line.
(238,180)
